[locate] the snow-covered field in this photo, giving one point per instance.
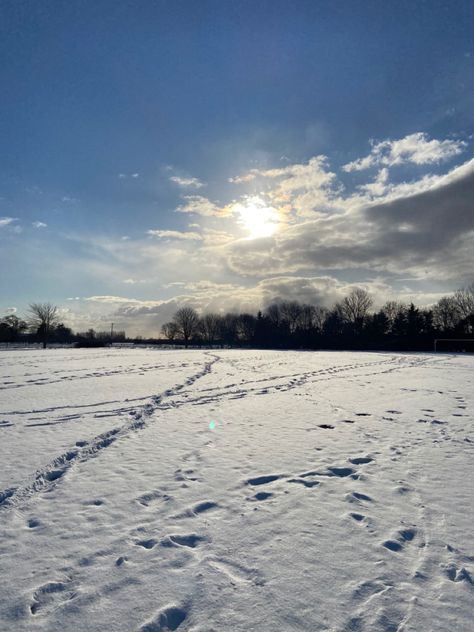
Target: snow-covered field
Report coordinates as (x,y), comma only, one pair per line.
(231,490)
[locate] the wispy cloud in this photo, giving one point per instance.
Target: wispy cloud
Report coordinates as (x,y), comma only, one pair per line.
(6,221)
(133,281)
(39,224)
(175,234)
(187,183)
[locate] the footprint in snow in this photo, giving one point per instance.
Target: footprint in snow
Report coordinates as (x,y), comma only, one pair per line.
(237,573)
(404,536)
(360,460)
(358,497)
(263,495)
(168,618)
(152,497)
(49,596)
(148,543)
(458,574)
(264,480)
(190,540)
(340,471)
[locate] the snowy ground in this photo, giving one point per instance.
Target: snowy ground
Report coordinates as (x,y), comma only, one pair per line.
(235,490)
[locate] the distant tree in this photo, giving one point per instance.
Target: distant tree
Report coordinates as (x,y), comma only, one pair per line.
(209,327)
(307,319)
(273,314)
(62,334)
(334,321)
(446,313)
(320,315)
(246,326)
(186,320)
(355,307)
(290,312)
(43,318)
(391,310)
(464,299)
(11,327)
(170,330)
(229,329)
(377,324)
(400,323)
(415,321)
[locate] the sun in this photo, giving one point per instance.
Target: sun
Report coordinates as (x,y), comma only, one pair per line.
(258,219)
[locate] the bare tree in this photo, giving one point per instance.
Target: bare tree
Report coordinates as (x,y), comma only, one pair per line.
(246,325)
(273,314)
(391,309)
(290,313)
(209,327)
(186,320)
(320,315)
(446,313)
(464,298)
(355,307)
(43,318)
(169,330)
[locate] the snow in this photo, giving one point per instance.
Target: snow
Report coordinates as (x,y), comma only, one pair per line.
(201,491)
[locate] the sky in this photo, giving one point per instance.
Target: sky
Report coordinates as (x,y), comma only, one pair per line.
(225,154)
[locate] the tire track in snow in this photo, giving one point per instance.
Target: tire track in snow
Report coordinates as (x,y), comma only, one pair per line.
(46,478)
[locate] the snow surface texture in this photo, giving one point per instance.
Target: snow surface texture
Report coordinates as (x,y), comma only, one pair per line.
(146,490)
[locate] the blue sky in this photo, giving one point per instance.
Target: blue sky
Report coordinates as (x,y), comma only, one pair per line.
(212,153)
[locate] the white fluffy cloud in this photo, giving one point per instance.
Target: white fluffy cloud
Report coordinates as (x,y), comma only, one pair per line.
(201,206)
(415,148)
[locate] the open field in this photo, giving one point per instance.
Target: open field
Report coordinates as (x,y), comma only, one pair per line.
(235,490)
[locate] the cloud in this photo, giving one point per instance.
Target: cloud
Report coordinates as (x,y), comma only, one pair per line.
(124,176)
(133,281)
(175,234)
(415,148)
(201,206)
(193,183)
(6,221)
(302,187)
(145,317)
(428,232)
(38,224)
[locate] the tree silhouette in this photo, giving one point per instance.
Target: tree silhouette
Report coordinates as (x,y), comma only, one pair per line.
(186,320)
(43,318)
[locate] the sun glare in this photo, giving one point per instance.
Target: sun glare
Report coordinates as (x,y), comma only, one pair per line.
(257,219)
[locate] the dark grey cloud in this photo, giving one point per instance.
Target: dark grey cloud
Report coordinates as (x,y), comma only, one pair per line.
(427,232)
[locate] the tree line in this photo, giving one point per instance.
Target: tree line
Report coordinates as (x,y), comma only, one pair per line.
(349,324)
(42,324)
